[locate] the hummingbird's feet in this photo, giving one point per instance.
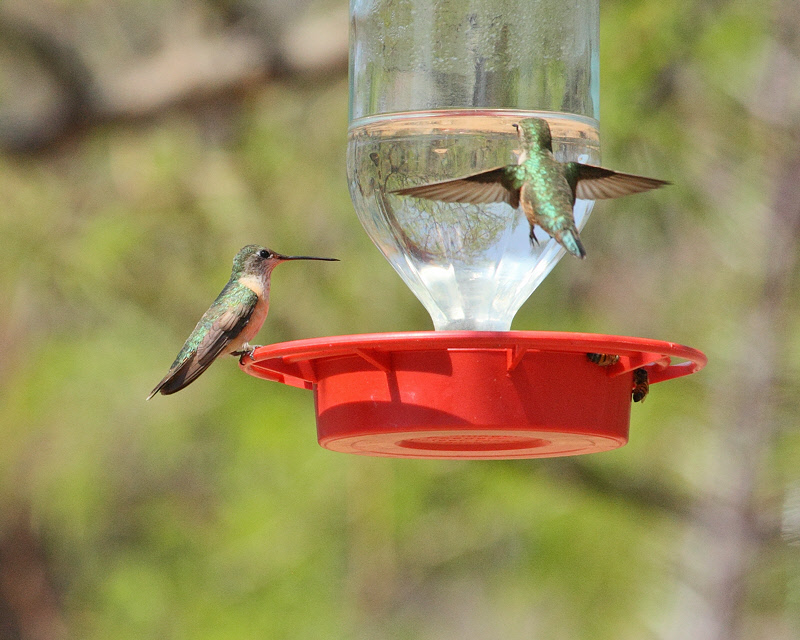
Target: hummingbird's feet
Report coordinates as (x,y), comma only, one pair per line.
(245,352)
(641,385)
(603,359)
(534,239)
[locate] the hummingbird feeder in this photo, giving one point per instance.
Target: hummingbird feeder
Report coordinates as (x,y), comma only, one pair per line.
(435,89)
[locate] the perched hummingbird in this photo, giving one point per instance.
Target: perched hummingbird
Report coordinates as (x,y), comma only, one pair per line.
(545,187)
(232,320)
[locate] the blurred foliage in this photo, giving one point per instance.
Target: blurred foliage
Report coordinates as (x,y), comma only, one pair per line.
(213,514)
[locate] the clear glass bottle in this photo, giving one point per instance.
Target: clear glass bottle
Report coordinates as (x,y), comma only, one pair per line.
(435,86)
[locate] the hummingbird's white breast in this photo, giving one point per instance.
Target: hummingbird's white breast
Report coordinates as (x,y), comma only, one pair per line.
(260,286)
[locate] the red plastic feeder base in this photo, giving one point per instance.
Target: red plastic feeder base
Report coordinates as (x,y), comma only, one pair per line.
(470,394)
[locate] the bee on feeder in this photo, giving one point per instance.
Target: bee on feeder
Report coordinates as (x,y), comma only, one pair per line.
(603,359)
(641,385)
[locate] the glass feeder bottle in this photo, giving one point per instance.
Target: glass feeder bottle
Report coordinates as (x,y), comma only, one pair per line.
(435,86)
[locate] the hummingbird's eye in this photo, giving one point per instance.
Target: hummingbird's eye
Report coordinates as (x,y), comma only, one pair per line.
(264,254)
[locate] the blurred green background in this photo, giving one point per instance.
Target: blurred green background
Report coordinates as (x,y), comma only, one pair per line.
(143,142)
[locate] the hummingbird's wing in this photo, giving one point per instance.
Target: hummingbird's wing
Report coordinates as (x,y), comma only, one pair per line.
(222,323)
(495,185)
(596,183)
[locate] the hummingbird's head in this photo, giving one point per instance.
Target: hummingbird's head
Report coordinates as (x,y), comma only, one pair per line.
(534,132)
(257,260)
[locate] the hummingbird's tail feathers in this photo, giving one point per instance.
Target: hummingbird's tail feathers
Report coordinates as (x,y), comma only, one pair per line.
(568,238)
(480,188)
(597,183)
(571,241)
(181,376)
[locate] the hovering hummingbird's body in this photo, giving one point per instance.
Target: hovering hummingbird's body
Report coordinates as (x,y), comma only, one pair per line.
(546,197)
(232,320)
(544,187)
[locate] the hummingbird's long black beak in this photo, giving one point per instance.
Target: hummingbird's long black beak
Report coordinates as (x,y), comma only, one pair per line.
(283,258)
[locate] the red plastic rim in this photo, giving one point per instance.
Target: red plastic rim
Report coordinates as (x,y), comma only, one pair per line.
(470,394)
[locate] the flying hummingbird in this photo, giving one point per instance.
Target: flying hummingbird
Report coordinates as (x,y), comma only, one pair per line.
(545,187)
(232,320)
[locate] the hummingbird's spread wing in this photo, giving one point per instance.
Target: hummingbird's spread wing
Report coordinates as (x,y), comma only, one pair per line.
(223,322)
(596,183)
(495,185)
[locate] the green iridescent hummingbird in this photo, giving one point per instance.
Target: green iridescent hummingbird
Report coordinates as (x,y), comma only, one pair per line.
(544,187)
(232,320)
